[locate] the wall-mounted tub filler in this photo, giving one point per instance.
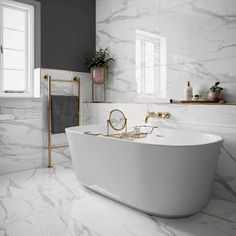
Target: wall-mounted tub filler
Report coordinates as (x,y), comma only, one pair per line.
(171,176)
(160,115)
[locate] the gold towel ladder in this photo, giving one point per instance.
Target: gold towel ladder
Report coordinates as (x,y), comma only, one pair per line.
(50,146)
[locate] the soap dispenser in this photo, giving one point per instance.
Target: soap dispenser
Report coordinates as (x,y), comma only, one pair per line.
(189,92)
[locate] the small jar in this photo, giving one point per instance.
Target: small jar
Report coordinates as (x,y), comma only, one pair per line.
(196,97)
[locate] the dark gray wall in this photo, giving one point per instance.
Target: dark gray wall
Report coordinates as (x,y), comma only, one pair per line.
(67,32)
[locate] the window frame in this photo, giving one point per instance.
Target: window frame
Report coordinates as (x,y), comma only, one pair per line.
(159,83)
(29,48)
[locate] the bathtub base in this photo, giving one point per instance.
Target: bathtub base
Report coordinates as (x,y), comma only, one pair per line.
(138,209)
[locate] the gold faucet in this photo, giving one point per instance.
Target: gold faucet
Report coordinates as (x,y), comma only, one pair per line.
(149,115)
(160,115)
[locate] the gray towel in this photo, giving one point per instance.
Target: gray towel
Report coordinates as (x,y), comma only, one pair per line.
(64,112)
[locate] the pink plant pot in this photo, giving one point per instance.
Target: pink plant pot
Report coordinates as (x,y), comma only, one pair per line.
(98,74)
(215,96)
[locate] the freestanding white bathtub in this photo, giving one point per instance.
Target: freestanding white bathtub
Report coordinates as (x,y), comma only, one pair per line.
(169,173)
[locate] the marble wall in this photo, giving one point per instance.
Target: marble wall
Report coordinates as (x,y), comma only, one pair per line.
(23,125)
(197,43)
(194,40)
(216,119)
(21,140)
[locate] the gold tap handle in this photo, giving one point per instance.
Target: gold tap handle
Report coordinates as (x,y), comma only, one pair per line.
(166,115)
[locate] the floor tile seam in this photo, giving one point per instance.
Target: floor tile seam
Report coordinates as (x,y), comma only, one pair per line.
(37,195)
(39,167)
(59,214)
(45,211)
(218,217)
(77,197)
(33,192)
(27,190)
(47,206)
(76,220)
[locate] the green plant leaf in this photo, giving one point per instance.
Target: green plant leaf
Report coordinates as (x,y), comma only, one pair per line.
(216,88)
(100,59)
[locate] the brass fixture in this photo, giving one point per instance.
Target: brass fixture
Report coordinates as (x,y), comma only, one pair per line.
(132,135)
(150,115)
(50,80)
(166,115)
(159,115)
(117,121)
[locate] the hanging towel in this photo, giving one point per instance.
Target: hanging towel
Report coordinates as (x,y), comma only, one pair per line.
(64,112)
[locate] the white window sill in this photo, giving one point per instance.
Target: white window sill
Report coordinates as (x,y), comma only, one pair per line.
(20,98)
(6,117)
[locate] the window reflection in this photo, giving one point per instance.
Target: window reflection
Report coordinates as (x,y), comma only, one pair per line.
(150,59)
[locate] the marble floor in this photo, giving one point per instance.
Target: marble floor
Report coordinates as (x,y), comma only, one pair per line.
(51,202)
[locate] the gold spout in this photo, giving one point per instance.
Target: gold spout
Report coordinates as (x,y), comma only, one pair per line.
(160,115)
(149,115)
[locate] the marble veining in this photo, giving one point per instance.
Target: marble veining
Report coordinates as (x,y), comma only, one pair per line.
(200,44)
(52,202)
(23,125)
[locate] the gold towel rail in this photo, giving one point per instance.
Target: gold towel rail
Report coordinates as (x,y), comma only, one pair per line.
(50,146)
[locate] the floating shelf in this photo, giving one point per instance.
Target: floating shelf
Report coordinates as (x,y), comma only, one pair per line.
(201,102)
(175,102)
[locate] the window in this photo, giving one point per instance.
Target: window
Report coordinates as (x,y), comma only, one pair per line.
(17,44)
(150,53)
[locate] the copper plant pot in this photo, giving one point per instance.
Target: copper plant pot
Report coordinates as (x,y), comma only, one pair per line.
(98,74)
(215,96)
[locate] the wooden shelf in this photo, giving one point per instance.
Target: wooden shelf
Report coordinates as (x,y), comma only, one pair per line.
(201,102)
(175,102)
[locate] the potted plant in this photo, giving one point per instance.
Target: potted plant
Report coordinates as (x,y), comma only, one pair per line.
(215,93)
(98,64)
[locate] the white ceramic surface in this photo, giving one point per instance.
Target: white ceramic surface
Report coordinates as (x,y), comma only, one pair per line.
(165,174)
(217,119)
(49,202)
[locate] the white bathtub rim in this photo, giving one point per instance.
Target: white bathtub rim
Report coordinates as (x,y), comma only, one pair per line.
(218,138)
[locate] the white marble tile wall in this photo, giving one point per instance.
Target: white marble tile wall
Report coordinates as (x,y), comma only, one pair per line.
(116,25)
(218,119)
(23,136)
(200,44)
